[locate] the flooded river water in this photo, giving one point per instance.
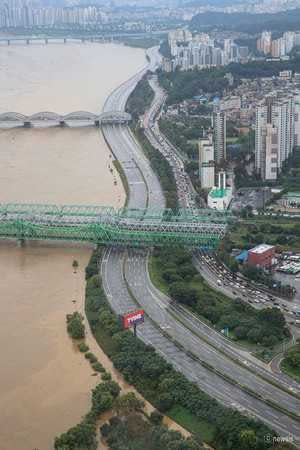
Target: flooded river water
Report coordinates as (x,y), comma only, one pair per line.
(44,382)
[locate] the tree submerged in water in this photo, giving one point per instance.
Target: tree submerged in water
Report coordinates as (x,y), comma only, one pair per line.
(75,325)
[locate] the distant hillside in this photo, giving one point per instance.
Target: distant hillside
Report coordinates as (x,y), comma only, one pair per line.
(249,23)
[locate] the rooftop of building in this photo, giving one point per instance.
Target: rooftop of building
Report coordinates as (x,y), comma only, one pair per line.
(219,193)
(291,195)
(261,248)
(243,256)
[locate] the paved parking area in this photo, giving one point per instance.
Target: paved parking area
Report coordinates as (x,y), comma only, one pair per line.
(254,197)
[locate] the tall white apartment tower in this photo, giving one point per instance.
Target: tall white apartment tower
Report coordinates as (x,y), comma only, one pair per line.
(297,119)
(206,162)
(283,119)
(266,42)
(227,50)
(271,152)
(260,124)
(274,135)
(219,135)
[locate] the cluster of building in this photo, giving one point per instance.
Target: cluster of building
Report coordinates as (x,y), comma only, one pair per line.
(290,267)
(18,13)
(241,104)
(275,115)
(200,51)
(212,152)
(69,14)
(277,131)
(212,149)
(271,106)
(262,255)
(280,47)
(290,200)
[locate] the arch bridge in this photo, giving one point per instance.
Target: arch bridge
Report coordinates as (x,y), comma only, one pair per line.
(108,226)
(73,118)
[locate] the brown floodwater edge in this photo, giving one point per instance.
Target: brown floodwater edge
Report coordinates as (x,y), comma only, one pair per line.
(117,376)
(45,383)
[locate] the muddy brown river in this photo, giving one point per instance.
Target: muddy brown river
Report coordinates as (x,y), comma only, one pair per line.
(44,381)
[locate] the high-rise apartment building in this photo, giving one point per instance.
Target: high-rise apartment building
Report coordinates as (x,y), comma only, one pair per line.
(270,134)
(206,162)
(278,48)
(283,119)
(274,134)
(265,42)
(297,119)
(219,134)
(289,38)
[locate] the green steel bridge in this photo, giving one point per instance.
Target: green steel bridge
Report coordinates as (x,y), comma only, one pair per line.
(109,226)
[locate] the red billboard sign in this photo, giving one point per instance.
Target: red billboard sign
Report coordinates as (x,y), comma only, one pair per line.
(135,317)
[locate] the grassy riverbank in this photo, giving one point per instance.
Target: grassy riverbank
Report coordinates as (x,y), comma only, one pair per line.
(124,410)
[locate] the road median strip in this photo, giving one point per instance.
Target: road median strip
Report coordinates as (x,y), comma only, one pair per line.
(212,369)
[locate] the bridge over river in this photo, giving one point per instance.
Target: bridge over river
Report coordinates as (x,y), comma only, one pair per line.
(102,37)
(108,226)
(77,118)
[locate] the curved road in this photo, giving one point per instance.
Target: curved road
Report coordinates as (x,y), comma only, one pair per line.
(125,279)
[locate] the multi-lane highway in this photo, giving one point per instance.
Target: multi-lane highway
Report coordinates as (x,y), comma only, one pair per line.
(236,380)
(185,190)
(220,278)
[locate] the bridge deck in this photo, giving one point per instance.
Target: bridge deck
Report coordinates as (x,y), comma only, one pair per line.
(106,225)
(76,116)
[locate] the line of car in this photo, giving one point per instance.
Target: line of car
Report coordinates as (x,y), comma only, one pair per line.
(242,288)
(183,184)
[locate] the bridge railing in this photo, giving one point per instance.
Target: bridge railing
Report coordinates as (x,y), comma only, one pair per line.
(110,226)
(112,116)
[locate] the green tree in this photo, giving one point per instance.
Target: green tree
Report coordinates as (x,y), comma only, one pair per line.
(241,332)
(75,325)
(273,316)
(293,357)
(171,276)
(127,403)
(81,436)
(229,321)
(248,439)
(182,293)
(165,401)
(156,417)
(254,334)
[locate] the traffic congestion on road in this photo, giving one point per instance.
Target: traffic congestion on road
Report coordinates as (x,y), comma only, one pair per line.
(237,286)
(185,190)
(127,285)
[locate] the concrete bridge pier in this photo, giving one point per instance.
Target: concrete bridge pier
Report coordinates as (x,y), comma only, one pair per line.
(27,124)
(62,123)
(97,123)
